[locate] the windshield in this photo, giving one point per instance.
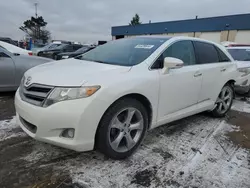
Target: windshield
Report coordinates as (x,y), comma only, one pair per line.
(240,54)
(124,52)
(53,46)
(59,46)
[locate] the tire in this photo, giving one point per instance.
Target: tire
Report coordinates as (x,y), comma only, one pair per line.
(223,105)
(54,56)
(39,54)
(114,132)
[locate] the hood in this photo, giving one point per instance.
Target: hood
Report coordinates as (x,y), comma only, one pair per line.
(71,72)
(243,64)
(30,60)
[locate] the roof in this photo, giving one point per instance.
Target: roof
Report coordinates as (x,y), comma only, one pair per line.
(231,22)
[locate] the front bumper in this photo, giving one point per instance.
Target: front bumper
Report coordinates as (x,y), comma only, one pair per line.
(83,115)
(242,85)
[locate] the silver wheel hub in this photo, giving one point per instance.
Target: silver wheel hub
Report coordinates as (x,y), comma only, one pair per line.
(224,100)
(125,129)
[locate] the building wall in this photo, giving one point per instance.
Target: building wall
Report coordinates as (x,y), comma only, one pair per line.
(212,36)
(243,37)
(227,35)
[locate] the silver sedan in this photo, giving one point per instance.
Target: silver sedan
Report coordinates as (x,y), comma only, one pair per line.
(13,66)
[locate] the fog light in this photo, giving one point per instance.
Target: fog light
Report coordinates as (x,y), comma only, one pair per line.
(68,133)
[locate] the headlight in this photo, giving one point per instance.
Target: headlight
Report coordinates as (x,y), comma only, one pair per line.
(62,94)
(246,71)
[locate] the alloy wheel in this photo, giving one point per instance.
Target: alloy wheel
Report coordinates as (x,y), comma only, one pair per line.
(224,100)
(125,129)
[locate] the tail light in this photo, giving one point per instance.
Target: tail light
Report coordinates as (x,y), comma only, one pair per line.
(30,53)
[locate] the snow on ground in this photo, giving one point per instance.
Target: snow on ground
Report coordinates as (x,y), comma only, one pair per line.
(242,106)
(193,152)
(9,129)
(196,156)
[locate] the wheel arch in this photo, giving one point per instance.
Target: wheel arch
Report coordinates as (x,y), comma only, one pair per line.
(142,99)
(231,82)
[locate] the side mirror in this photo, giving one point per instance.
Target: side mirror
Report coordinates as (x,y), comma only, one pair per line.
(172,63)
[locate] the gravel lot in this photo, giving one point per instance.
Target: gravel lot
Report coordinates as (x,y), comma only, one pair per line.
(198,151)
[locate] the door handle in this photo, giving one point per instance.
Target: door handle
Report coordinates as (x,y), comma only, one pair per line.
(223,69)
(197,74)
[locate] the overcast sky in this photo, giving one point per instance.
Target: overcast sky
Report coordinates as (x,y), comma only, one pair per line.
(91,20)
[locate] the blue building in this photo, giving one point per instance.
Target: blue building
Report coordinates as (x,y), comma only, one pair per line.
(235,28)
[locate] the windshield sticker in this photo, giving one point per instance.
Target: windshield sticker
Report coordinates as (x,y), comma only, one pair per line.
(143,46)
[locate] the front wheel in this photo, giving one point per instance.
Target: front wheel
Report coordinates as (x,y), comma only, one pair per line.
(224,101)
(122,128)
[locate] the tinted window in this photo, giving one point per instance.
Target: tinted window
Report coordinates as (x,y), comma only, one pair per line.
(61,46)
(223,57)
(53,46)
(205,53)
(183,50)
(240,54)
(124,52)
(68,48)
(76,47)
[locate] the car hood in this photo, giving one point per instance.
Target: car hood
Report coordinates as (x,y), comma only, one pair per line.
(243,64)
(71,72)
(30,60)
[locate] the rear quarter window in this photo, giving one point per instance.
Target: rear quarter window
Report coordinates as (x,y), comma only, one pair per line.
(205,53)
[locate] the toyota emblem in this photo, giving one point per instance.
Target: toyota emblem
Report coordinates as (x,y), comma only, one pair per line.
(28,81)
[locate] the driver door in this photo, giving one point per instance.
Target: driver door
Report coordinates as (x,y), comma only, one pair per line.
(180,87)
(7,71)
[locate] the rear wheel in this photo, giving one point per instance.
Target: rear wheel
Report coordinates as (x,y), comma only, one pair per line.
(224,101)
(122,128)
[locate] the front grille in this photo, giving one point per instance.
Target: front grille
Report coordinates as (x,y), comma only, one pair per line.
(35,94)
(32,128)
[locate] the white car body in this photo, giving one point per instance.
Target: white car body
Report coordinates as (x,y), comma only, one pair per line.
(242,84)
(15,49)
(173,94)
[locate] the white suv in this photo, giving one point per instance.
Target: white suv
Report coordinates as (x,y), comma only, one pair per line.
(109,97)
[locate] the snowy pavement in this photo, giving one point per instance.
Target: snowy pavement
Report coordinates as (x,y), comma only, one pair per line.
(198,151)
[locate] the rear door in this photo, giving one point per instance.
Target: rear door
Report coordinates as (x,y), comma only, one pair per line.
(7,70)
(214,65)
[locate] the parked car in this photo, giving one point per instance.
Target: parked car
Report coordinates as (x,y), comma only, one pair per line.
(13,66)
(52,53)
(242,55)
(111,96)
(9,40)
(36,51)
(14,49)
(82,50)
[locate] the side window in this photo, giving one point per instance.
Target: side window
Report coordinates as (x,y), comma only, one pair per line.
(205,53)
(183,50)
(223,57)
(68,48)
(76,47)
